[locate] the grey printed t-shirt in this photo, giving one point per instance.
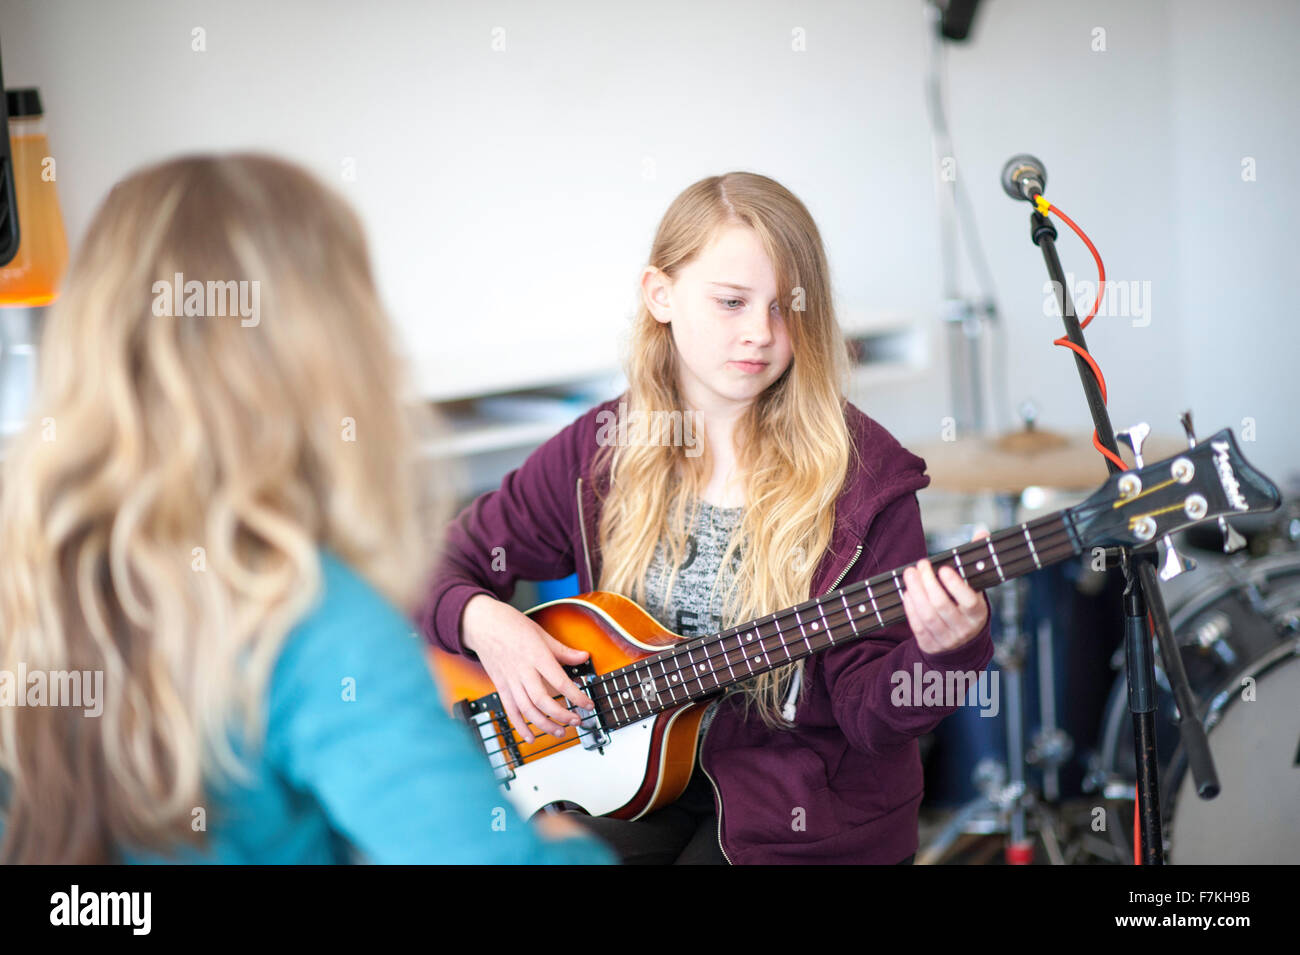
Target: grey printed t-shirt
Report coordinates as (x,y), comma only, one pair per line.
(688,610)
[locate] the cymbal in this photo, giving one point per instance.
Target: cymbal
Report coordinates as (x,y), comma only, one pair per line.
(1009,463)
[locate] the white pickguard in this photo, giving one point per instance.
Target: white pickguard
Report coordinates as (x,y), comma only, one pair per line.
(598,782)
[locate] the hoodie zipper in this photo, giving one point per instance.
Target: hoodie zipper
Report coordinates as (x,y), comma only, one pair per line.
(717,793)
(844,573)
(582,528)
(708,719)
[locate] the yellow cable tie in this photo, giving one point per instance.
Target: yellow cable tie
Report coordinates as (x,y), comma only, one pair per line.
(1042,204)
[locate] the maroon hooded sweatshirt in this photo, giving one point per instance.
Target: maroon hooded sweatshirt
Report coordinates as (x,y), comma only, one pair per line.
(844,785)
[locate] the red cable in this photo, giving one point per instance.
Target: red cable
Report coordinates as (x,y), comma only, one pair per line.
(1083,352)
(1137,832)
(1137,827)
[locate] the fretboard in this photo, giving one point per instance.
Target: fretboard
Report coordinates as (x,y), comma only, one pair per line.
(704,666)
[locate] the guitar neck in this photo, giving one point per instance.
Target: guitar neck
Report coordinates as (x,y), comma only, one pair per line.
(703,666)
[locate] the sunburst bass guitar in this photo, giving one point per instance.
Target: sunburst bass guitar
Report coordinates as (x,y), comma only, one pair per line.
(635,751)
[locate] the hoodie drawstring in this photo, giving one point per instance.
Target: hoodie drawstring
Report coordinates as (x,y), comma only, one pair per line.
(787,711)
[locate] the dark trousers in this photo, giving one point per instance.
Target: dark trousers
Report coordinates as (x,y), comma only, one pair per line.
(682,833)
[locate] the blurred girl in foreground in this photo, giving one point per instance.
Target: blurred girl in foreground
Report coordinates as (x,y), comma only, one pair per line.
(216,507)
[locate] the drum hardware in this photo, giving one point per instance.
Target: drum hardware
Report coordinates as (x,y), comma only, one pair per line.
(1242,621)
(1052,746)
(1210,632)
(1006,803)
(1050,750)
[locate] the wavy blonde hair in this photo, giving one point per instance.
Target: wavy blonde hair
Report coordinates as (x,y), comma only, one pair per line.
(163,513)
(793,444)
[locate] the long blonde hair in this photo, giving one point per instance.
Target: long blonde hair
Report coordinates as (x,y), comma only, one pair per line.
(163,512)
(793,445)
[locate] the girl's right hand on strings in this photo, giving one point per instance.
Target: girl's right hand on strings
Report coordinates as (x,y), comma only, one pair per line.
(524,663)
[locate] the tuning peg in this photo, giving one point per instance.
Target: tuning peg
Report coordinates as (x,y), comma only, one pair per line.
(1174,562)
(1232,541)
(1135,436)
(1186,419)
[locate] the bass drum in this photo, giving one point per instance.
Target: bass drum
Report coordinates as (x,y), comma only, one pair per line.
(1238,630)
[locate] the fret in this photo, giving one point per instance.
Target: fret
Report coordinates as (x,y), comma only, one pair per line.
(996,565)
(957,557)
(620,693)
(726,656)
(668,683)
(722,646)
(675,676)
(848,612)
(629,704)
(629,699)
(620,698)
(781,643)
(1032,551)
(830,631)
(635,692)
(799,622)
(611,700)
(646,692)
(713,666)
(612,705)
(705,668)
(694,667)
(874,605)
(669,690)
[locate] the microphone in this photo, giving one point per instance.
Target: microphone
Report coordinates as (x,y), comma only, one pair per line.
(1023,177)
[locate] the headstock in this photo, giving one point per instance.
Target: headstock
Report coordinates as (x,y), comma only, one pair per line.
(1208,481)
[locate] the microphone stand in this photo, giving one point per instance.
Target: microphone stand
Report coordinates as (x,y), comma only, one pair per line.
(1142,597)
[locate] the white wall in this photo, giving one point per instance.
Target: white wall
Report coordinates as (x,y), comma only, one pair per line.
(1234,78)
(511,194)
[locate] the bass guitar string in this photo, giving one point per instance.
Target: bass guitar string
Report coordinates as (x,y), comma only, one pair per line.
(1047,549)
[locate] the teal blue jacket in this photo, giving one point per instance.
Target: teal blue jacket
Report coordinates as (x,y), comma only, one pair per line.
(361,762)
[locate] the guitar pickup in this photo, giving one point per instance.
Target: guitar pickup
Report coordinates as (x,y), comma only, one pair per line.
(591,732)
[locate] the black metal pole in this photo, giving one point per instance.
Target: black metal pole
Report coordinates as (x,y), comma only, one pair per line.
(1141,676)
(1195,745)
(1142,704)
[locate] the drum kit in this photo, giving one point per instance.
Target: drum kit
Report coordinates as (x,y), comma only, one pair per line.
(1055,767)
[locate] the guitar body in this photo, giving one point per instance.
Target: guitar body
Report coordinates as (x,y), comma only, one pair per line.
(643,766)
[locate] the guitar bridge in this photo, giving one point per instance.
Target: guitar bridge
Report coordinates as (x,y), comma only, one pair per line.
(487,718)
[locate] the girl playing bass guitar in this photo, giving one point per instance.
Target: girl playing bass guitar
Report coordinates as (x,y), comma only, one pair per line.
(790,492)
